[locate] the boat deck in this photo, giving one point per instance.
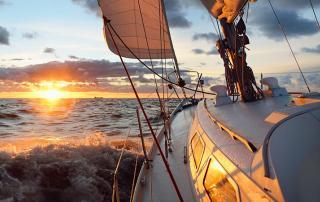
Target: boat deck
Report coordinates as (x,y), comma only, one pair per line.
(248,119)
(157,185)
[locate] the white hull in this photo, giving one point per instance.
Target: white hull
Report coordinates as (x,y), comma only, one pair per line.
(262,155)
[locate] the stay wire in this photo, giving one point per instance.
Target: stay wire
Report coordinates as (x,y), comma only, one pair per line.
(147,42)
(314,13)
(286,38)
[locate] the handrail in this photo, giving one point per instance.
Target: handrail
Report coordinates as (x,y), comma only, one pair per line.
(159,136)
(234,135)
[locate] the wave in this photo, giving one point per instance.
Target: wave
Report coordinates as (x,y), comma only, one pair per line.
(9,116)
(116,116)
(70,170)
(4,125)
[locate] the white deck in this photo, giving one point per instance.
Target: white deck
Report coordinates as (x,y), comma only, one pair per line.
(157,185)
(248,119)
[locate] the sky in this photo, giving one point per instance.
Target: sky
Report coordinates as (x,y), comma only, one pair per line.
(59,44)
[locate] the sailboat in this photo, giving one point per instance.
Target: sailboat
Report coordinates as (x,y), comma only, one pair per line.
(243,144)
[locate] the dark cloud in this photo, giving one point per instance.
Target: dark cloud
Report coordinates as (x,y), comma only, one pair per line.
(2,3)
(312,50)
(4,36)
(213,51)
(209,37)
(198,51)
(83,70)
(176,16)
(73,57)
(16,59)
(90,5)
(294,24)
(295,4)
(30,35)
(88,75)
(49,50)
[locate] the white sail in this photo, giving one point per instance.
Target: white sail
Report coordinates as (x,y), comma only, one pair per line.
(152,39)
(228,9)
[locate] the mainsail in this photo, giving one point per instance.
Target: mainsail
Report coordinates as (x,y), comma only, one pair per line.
(228,9)
(141,25)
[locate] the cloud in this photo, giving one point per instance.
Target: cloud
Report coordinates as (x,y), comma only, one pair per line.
(312,50)
(209,37)
(295,4)
(4,36)
(198,51)
(175,14)
(82,75)
(49,50)
(73,57)
(176,17)
(90,5)
(2,3)
(291,14)
(293,81)
(213,51)
(82,70)
(30,35)
(294,24)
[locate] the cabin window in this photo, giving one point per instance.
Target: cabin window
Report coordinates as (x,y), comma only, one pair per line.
(197,146)
(217,184)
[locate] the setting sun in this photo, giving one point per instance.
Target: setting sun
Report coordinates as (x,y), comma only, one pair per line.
(51,90)
(51,94)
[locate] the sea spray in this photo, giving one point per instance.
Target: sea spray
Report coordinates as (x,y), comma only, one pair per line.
(68,171)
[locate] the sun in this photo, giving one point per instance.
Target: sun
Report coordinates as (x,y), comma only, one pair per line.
(51,94)
(50,90)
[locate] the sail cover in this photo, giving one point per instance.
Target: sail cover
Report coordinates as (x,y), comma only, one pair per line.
(145,34)
(227,9)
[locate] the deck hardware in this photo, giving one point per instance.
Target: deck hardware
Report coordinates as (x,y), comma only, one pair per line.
(232,134)
(185,160)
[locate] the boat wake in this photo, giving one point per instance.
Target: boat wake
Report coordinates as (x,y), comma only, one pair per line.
(63,170)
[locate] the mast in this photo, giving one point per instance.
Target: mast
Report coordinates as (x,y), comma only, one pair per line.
(180,80)
(239,76)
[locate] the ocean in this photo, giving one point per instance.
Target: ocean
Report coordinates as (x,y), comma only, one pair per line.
(67,149)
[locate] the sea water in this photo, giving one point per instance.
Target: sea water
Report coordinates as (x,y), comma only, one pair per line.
(67,149)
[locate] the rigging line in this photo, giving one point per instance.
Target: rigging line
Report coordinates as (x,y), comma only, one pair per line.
(135,21)
(145,35)
(170,39)
(212,22)
(161,47)
(220,35)
(153,71)
(285,36)
(134,179)
(248,8)
(314,13)
(198,83)
(108,25)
